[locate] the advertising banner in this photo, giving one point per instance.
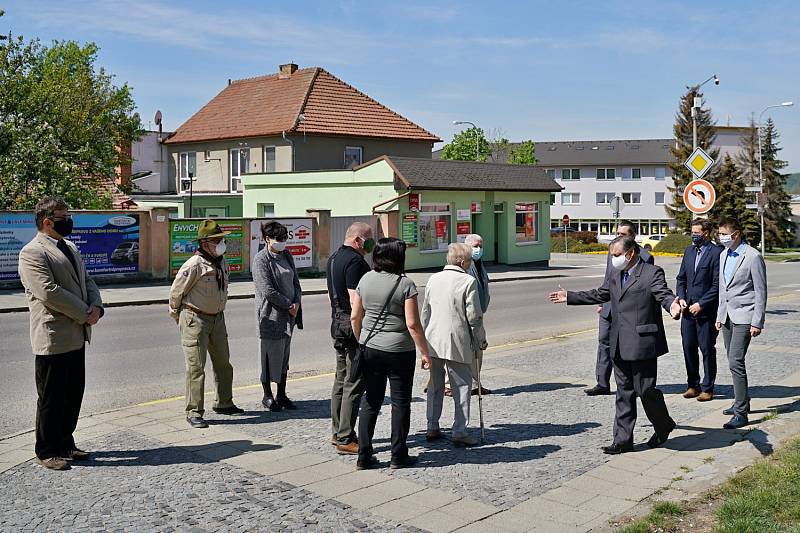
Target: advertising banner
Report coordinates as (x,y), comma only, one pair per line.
(183,242)
(299,243)
(413,202)
(108,242)
(409,229)
(462,230)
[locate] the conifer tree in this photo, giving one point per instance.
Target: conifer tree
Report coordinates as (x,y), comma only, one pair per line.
(706,132)
(732,200)
(778,227)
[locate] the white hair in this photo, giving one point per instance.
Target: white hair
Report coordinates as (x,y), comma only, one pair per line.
(458,253)
(471,238)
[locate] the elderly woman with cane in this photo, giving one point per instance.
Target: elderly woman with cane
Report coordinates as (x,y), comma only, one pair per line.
(278,311)
(453,322)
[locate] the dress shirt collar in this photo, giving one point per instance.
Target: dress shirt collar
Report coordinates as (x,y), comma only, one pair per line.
(738,251)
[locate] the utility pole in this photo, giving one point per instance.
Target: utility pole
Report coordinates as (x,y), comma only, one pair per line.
(696,105)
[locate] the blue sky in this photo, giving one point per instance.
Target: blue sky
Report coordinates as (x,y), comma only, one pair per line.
(540,70)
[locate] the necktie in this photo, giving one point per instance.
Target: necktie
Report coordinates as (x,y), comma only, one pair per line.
(625,276)
(698,251)
(62,245)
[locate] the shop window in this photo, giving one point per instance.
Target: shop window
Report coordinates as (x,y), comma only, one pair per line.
(526,222)
(434,227)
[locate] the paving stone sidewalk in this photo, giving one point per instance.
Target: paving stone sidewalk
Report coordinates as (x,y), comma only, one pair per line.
(540,469)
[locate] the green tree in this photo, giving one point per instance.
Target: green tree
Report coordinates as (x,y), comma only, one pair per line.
(732,200)
(466,145)
(61,121)
(706,132)
(778,227)
(523,154)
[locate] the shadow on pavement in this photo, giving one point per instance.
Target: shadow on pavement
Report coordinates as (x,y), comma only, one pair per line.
(170,455)
(306,409)
(484,455)
(535,387)
(781,311)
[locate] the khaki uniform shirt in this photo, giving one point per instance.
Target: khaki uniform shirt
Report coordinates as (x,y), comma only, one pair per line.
(196,286)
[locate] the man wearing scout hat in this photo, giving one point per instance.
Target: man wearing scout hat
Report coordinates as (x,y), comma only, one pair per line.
(197,303)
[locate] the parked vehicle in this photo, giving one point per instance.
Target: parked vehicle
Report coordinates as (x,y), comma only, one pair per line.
(651,241)
(126,252)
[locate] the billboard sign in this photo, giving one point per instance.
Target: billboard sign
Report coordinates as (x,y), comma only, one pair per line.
(299,243)
(183,242)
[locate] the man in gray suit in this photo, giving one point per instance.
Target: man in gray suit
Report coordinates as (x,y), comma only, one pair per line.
(742,305)
(635,291)
(625,228)
(64,303)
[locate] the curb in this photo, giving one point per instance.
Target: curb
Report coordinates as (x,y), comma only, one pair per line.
(310,292)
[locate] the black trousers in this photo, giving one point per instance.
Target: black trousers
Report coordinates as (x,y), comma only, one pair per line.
(604,359)
(398,368)
(638,378)
(700,334)
(60,381)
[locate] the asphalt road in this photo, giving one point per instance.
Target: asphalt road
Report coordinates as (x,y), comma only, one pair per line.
(135,354)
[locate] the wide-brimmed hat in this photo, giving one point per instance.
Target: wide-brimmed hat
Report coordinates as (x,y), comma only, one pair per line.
(209,229)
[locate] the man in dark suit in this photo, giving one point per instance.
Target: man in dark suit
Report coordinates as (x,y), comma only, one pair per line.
(698,285)
(625,228)
(637,339)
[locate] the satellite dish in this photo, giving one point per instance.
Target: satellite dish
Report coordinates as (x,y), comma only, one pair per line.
(158,118)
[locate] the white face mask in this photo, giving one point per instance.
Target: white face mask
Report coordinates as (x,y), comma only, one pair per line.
(619,261)
(220,248)
(726,240)
(278,246)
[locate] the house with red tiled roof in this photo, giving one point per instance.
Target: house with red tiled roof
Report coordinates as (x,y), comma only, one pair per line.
(293,120)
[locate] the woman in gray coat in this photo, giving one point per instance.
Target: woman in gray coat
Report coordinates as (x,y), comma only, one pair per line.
(278,296)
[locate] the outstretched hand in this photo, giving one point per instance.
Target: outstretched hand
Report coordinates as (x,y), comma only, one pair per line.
(676,308)
(560,296)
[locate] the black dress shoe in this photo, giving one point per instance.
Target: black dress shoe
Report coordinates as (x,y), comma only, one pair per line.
(616,449)
(730,411)
(271,404)
(286,403)
(403,463)
(197,422)
(366,464)
(76,454)
(232,410)
(660,438)
(738,421)
(597,390)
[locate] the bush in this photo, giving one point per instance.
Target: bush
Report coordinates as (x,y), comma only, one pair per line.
(675,243)
(576,246)
(587,237)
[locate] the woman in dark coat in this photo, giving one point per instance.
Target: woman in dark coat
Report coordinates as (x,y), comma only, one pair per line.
(278,296)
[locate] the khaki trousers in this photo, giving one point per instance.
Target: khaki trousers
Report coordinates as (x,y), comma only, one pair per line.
(201,334)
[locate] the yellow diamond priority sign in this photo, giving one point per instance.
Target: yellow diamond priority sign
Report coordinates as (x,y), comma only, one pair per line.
(699,162)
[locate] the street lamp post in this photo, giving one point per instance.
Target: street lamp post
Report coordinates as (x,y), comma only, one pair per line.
(696,106)
(761,208)
(477,139)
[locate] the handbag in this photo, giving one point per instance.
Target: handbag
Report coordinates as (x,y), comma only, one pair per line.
(357,364)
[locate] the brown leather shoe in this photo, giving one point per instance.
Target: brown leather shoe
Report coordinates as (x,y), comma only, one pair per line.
(705,396)
(54,463)
(433,434)
(351,448)
(76,455)
(691,392)
(334,440)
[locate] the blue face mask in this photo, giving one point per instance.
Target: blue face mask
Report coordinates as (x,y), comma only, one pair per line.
(477,253)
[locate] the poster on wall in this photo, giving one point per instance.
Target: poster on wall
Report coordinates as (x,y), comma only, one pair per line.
(409,228)
(183,242)
(463,214)
(413,202)
(299,243)
(108,242)
(462,230)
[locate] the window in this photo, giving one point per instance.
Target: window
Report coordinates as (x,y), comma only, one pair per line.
(570,198)
(552,198)
(269,159)
(550,173)
(527,222)
(604,198)
(606,174)
(434,227)
(659,198)
(352,156)
(266,210)
(636,174)
(632,198)
(661,173)
(570,174)
(187,163)
(240,160)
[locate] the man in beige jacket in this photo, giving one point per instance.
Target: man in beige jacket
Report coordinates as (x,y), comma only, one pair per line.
(453,322)
(64,304)
(197,303)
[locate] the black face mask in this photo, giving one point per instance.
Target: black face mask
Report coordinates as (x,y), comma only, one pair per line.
(698,240)
(63,227)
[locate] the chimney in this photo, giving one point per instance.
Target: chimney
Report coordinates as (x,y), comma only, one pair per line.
(286,71)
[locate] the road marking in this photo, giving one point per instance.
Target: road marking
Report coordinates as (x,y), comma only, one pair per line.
(241,387)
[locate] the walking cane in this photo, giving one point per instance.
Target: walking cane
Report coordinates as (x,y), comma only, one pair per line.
(480,405)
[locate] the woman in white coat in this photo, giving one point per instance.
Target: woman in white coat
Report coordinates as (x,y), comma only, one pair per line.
(453,323)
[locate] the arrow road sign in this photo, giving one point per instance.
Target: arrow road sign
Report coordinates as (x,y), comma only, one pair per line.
(699,162)
(699,196)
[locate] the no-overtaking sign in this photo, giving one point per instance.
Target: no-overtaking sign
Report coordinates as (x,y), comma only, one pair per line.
(699,196)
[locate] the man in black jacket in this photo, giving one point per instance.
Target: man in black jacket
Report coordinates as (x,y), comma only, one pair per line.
(698,284)
(635,291)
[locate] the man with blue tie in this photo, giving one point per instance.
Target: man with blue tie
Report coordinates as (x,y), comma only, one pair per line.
(742,307)
(698,285)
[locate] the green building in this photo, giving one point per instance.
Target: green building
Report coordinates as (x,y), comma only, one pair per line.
(428,203)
